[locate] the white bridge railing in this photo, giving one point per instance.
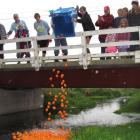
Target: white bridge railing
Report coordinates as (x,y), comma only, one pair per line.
(84,58)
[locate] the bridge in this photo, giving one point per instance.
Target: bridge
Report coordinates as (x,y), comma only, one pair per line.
(82,70)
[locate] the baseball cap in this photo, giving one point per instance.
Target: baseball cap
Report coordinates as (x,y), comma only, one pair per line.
(106,8)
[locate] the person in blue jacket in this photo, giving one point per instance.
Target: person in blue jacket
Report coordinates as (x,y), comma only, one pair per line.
(15,27)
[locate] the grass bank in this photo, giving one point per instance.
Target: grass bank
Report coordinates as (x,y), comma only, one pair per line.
(124,132)
(85,98)
(132,105)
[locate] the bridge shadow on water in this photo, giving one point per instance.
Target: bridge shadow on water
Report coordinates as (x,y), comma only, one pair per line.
(19,122)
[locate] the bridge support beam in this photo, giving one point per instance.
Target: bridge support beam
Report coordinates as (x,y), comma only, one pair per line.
(12,101)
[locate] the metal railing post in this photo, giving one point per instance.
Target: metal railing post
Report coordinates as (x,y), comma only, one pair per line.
(36,61)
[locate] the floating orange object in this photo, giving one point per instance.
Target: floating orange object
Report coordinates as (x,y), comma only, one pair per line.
(62,105)
(53,70)
(49,119)
(50,78)
(52,85)
(49,94)
(54,108)
(58,134)
(62,76)
(66,65)
(58,72)
(49,103)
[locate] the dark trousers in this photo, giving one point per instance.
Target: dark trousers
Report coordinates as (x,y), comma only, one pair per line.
(1,49)
(60,42)
(102,49)
(134,36)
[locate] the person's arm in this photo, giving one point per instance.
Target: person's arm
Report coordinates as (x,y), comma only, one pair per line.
(85,19)
(99,22)
(11,30)
(35,26)
(16,35)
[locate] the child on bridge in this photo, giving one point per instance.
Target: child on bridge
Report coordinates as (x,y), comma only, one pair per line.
(21,33)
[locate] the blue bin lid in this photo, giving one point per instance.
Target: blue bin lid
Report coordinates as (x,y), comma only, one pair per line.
(63,11)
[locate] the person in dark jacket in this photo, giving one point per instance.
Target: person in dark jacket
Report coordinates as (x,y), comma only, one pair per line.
(118,19)
(104,22)
(2,37)
(86,22)
(134,20)
(125,12)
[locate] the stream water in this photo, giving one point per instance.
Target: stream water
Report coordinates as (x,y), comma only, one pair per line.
(102,114)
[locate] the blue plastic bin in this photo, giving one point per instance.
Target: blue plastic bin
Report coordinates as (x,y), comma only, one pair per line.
(62,20)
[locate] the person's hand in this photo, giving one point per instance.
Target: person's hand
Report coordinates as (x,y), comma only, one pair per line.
(74,20)
(77,8)
(102,19)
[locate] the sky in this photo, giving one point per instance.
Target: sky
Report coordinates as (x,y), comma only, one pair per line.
(27,8)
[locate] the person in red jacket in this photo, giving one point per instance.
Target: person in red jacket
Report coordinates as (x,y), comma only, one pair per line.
(104,22)
(21,33)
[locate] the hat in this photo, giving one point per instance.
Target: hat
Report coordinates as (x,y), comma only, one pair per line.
(135,2)
(106,8)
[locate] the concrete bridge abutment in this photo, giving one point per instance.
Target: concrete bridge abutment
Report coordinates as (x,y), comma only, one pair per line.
(12,101)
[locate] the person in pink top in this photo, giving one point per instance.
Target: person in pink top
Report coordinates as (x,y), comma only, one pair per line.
(111,38)
(123,36)
(110,49)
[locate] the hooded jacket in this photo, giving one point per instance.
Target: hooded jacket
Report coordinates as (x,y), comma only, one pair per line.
(86,22)
(108,22)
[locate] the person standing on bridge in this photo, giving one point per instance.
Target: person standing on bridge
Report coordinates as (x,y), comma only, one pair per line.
(118,19)
(104,22)
(123,36)
(21,33)
(14,27)
(60,41)
(2,37)
(42,28)
(86,22)
(134,20)
(125,12)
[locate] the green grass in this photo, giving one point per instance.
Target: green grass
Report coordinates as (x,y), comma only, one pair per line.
(85,98)
(125,132)
(132,105)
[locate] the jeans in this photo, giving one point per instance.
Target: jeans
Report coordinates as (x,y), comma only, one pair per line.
(61,42)
(1,49)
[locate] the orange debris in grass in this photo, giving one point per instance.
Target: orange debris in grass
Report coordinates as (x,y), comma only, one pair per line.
(58,134)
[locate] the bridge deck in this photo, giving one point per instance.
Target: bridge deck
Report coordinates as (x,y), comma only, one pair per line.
(73,64)
(105,73)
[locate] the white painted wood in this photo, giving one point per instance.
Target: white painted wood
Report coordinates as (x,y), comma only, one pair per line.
(84,58)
